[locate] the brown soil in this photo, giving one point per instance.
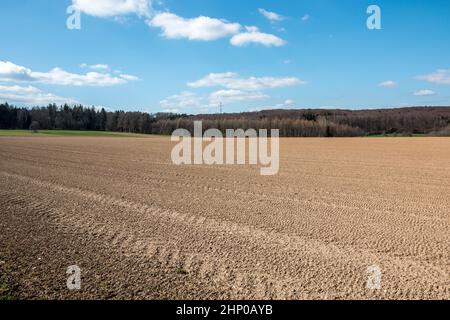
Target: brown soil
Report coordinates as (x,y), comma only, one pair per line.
(142,228)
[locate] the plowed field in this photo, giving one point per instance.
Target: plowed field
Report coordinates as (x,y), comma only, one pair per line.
(140,227)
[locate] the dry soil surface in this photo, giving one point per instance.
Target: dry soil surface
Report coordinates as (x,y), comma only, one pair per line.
(140,227)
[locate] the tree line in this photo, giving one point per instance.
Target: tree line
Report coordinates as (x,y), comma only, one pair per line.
(291,123)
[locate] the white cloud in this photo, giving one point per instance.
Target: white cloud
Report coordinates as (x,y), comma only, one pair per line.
(129,77)
(306,17)
(15,73)
(30,96)
(187,101)
(236,90)
(441,76)
(388,84)
(200,28)
(182,101)
(288,102)
(253,35)
(271,16)
(233,96)
(12,72)
(95,66)
(113,8)
(233,81)
(424,93)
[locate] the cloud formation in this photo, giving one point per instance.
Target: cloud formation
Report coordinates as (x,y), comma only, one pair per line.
(113,8)
(209,29)
(14,73)
(233,81)
(30,95)
(424,93)
(271,16)
(441,76)
(187,101)
(236,89)
(253,35)
(200,28)
(233,96)
(388,84)
(95,66)
(182,101)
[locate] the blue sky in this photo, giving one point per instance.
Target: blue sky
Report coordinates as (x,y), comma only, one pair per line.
(189,56)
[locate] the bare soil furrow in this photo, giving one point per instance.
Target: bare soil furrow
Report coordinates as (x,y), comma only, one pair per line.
(271,243)
(141,227)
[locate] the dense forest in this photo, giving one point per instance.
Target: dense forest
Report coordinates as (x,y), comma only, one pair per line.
(292,123)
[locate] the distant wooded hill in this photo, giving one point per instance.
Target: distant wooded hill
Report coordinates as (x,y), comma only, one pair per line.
(291,123)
